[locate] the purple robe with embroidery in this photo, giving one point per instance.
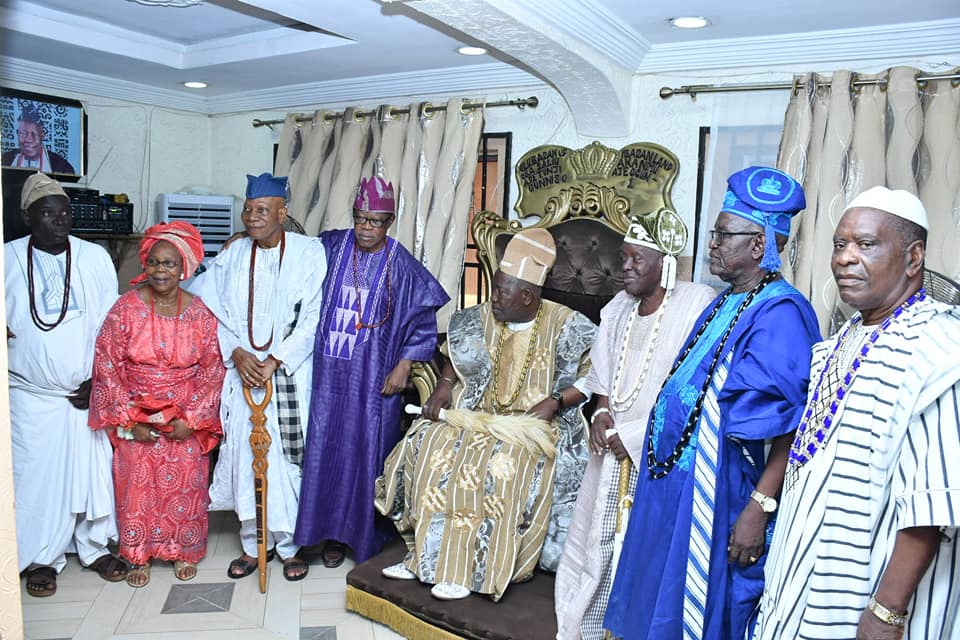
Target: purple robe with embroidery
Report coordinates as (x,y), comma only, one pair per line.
(352,426)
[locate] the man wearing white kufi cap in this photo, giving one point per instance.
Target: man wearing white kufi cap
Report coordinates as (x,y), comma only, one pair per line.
(641,332)
(515,355)
(866,543)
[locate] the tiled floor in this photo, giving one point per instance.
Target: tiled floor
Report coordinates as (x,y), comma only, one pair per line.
(211,606)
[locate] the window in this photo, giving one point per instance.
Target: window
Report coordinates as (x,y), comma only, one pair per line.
(491,192)
(723,151)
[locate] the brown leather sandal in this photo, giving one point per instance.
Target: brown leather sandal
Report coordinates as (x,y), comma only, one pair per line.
(109,567)
(333,554)
(42,582)
(295,568)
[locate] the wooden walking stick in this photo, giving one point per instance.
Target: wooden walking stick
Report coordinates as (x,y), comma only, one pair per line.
(624,504)
(260,444)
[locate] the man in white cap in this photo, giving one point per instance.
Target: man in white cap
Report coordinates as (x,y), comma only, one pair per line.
(641,331)
(58,291)
(453,491)
(866,543)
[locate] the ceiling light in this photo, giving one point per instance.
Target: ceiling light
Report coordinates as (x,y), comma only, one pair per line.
(689,22)
(472,51)
(195,85)
(168,3)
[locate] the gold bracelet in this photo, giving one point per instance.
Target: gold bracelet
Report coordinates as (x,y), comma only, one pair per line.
(885,615)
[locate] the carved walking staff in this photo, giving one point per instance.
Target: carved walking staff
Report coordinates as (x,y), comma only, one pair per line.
(624,505)
(260,444)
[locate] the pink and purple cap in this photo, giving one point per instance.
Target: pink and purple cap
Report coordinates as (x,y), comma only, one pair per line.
(375,195)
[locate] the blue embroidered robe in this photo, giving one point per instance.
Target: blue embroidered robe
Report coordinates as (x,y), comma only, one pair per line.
(768,356)
(352,427)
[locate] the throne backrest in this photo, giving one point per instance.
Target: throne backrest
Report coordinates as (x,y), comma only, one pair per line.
(587,273)
(584,198)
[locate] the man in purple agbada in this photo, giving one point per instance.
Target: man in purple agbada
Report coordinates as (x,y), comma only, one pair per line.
(378,317)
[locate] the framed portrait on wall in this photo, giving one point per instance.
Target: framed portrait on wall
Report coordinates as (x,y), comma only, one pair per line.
(43,133)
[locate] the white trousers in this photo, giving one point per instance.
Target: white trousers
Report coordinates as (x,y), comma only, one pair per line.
(282,541)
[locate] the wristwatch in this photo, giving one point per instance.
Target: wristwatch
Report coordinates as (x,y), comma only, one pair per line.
(558,396)
(885,615)
(768,504)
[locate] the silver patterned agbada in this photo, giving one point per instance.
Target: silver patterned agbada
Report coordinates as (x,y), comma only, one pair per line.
(475,510)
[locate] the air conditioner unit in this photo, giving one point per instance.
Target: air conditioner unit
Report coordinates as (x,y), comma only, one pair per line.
(212,215)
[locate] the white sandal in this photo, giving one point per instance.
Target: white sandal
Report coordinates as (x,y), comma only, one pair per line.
(398,571)
(449,591)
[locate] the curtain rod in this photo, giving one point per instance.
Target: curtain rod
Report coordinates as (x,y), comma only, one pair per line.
(428,110)
(693,89)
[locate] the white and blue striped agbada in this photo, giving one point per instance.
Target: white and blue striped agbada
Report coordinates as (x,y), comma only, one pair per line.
(892,461)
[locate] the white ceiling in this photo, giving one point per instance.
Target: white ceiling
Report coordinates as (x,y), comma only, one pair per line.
(259,54)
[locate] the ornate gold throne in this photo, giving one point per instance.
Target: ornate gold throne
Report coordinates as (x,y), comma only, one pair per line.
(584,198)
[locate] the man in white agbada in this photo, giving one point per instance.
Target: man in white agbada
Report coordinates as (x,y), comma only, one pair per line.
(641,332)
(58,291)
(270,336)
(866,541)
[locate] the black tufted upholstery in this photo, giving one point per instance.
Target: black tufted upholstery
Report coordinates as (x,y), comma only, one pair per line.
(588,268)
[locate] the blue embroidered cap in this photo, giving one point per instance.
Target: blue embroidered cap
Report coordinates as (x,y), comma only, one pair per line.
(769,198)
(266,185)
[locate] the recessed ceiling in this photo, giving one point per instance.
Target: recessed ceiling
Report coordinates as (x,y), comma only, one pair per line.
(265,53)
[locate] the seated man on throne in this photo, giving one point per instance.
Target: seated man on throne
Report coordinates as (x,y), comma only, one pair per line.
(484,488)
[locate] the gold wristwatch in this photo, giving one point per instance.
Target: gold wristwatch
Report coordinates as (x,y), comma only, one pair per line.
(768,504)
(885,615)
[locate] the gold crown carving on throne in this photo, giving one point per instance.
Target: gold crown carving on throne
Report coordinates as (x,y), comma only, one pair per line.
(593,162)
(595,181)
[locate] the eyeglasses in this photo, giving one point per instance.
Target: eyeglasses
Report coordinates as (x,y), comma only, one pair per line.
(169,265)
(718,236)
(359,221)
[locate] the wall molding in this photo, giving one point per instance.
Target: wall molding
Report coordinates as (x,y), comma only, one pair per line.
(473,80)
(907,41)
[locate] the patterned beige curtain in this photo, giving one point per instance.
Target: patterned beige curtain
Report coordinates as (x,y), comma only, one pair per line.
(430,156)
(841,139)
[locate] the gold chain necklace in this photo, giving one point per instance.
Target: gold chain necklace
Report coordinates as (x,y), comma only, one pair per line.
(504,407)
(618,401)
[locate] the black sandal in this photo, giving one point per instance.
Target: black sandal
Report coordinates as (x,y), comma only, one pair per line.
(241,567)
(46,586)
(110,567)
(333,554)
(292,568)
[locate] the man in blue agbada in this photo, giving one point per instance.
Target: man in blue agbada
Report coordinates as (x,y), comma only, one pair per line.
(378,317)
(692,562)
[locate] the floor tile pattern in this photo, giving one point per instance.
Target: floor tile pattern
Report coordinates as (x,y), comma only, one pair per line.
(209,607)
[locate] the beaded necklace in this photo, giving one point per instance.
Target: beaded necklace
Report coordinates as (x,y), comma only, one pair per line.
(818,420)
(618,401)
(660,468)
(253,264)
(502,407)
(34,314)
(356,278)
(158,350)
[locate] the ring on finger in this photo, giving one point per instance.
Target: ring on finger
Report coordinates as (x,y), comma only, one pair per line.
(753,559)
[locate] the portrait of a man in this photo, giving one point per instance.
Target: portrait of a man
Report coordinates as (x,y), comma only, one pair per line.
(31,153)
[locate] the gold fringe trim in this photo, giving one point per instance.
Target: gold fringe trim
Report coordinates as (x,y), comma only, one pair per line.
(531,433)
(385,612)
